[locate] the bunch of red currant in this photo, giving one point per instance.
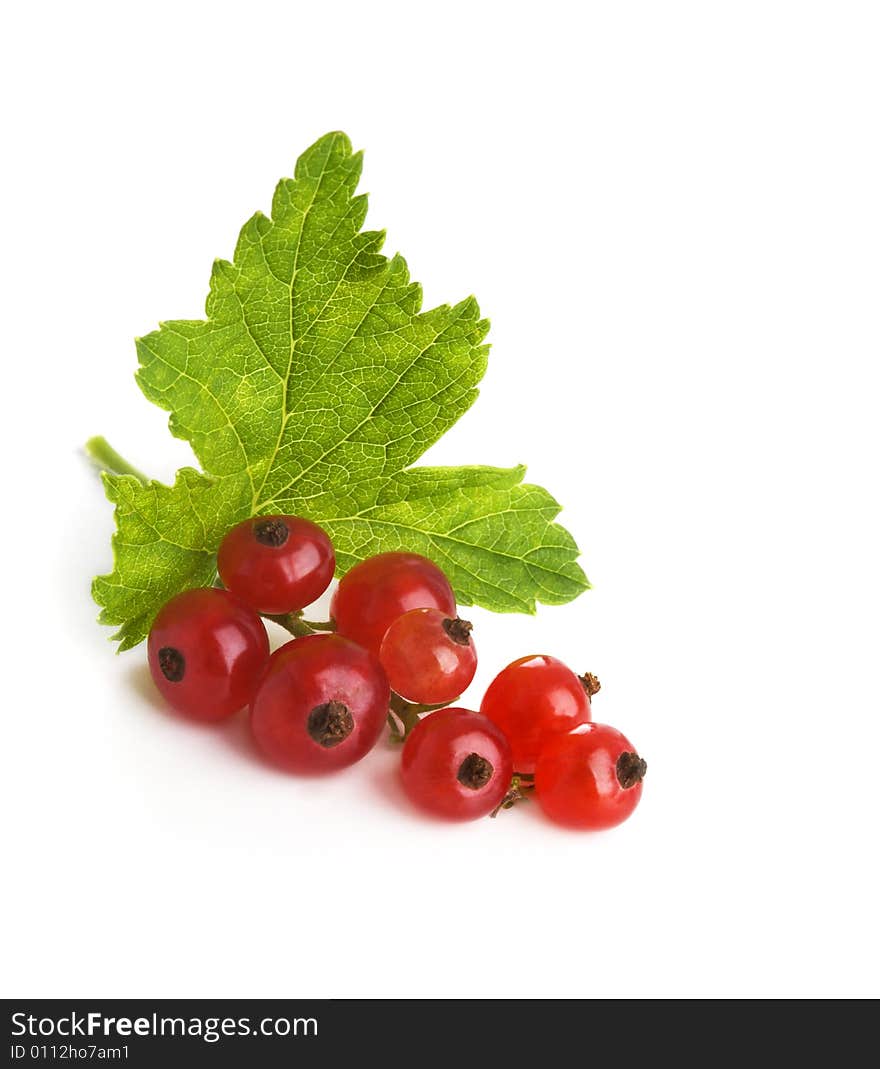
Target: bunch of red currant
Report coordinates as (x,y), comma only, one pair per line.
(397,652)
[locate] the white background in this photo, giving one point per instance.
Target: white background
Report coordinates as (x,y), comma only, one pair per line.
(670,213)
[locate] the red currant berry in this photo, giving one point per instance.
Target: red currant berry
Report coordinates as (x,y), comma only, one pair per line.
(456,764)
(375,592)
(276,564)
(533,698)
(206,652)
(429,657)
(590,778)
(321,705)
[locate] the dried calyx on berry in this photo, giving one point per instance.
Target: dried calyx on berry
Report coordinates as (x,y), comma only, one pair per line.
(630,769)
(458,630)
(590,683)
(271,532)
(474,772)
(172,663)
(330,723)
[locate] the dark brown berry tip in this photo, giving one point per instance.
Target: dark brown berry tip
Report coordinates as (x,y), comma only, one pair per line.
(458,630)
(590,684)
(630,769)
(474,772)
(271,532)
(172,664)
(330,723)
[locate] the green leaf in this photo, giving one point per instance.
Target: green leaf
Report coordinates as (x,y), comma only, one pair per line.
(310,388)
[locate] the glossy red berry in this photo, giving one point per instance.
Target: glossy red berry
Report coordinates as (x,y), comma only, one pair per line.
(590,778)
(321,705)
(534,698)
(456,764)
(276,564)
(429,657)
(206,652)
(375,592)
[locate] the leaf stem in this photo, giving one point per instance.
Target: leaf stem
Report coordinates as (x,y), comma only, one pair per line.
(102,453)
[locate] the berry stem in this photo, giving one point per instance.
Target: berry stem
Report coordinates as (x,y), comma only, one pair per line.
(296,625)
(290,621)
(406,715)
(519,785)
(102,454)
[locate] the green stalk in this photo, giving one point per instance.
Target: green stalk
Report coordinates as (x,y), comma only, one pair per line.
(408,714)
(106,458)
(290,621)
